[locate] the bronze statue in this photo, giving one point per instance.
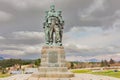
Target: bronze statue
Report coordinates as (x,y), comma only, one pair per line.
(53,25)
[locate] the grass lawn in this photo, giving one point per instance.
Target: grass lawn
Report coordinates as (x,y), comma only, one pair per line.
(108,73)
(105,73)
(4,75)
(81,71)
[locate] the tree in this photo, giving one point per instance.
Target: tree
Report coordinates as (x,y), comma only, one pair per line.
(104,63)
(112,61)
(37,62)
(12,62)
(72,65)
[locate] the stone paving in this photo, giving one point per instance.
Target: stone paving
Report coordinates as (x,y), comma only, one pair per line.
(77,77)
(92,77)
(17,77)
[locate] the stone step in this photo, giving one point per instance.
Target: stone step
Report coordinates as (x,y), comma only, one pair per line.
(54,75)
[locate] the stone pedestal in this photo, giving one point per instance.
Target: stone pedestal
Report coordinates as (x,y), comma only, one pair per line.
(53,64)
(53,57)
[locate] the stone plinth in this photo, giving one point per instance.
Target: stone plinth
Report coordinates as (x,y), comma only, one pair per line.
(53,57)
(53,64)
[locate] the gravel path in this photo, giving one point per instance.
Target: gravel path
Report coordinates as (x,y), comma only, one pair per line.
(77,77)
(17,77)
(92,77)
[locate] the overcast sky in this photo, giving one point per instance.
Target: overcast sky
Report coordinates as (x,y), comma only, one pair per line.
(91,31)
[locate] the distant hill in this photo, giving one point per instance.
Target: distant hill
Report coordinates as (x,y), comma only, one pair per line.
(93,60)
(1,58)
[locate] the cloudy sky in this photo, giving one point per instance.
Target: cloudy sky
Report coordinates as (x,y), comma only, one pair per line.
(91,31)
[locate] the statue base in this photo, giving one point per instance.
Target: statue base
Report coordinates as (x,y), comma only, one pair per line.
(53,64)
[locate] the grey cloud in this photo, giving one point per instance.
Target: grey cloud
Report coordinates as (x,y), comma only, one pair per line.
(31,19)
(24,27)
(2,38)
(21,51)
(28,35)
(74,50)
(4,16)
(17,42)
(22,37)
(95,6)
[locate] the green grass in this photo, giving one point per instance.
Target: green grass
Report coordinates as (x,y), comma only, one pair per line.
(4,75)
(81,71)
(108,73)
(104,73)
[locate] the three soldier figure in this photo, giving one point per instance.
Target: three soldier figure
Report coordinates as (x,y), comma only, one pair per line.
(53,25)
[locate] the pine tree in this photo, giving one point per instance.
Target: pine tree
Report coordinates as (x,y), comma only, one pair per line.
(102,63)
(112,61)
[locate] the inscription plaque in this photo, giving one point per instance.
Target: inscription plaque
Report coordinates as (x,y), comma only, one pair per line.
(53,57)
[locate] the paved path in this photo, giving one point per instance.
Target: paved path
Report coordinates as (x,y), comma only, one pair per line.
(17,77)
(93,77)
(77,77)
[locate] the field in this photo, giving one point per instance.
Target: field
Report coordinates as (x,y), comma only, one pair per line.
(105,73)
(81,71)
(4,75)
